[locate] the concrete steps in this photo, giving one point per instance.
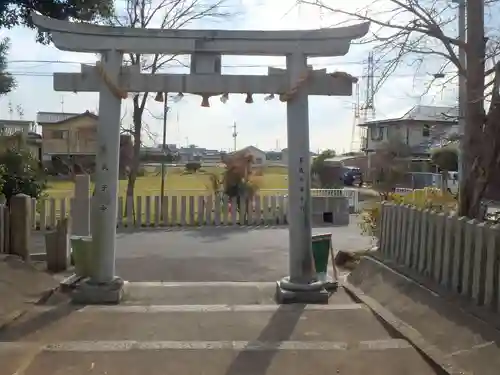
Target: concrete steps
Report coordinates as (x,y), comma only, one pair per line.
(208,293)
(209,329)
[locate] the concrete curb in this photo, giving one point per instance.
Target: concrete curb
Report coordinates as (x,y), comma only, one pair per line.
(452,323)
(11,318)
(25,297)
(482,314)
(17,314)
(436,356)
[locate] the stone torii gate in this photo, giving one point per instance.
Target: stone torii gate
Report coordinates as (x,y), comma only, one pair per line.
(113,81)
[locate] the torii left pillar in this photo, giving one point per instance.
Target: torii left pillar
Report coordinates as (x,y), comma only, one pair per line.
(104,286)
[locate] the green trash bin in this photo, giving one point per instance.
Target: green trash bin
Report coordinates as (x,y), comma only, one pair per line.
(321,244)
(81,253)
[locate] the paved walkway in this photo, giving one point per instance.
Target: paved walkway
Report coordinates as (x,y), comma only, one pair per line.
(195,254)
(215,316)
(206,329)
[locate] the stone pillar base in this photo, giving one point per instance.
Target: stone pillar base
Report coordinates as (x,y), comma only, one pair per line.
(91,293)
(289,292)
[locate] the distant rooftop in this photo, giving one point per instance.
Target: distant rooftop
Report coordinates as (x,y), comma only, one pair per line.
(422,113)
(341,158)
(10,127)
(55,117)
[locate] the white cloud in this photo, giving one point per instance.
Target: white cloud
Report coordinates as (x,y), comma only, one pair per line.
(261,123)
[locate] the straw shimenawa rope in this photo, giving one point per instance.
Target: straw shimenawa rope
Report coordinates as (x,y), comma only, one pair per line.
(122,94)
(293,91)
(117,91)
(305,77)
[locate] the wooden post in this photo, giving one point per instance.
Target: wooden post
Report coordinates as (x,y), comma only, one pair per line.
(4,218)
(80,207)
(417,221)
(458,254)
(20,220)
(400,214)
(468,257)
(392,231)
(492,291)
(57,247)
(382,225)
(424,232)
(438,251)
(409,238)
(431,248)
(448,250)
(479,266)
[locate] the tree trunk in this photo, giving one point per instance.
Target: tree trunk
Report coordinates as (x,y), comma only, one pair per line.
(474,179)
(134,167)
(444,181)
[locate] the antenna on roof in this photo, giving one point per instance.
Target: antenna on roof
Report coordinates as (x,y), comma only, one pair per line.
(234,135)
(10,109)
(369,105)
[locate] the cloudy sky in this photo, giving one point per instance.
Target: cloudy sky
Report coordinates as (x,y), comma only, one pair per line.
(262,124)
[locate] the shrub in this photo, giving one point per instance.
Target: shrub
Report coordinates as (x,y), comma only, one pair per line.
(427,198)
(446,157)
(20,173)
(238,179)
(192,166)
(141,172)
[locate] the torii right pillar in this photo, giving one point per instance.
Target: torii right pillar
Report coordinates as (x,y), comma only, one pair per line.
(300,286)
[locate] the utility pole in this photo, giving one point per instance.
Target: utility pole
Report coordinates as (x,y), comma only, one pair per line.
(357,133)
(62,104)
(163,150)
(234,135)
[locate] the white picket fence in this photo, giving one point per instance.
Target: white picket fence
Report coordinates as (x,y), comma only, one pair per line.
(351,194)
(402,190)
(194,209)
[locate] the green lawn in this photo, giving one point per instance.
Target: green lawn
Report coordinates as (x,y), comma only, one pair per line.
(175,183)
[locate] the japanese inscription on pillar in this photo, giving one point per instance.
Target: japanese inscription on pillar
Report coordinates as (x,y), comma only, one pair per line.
(302,183)
(102,190)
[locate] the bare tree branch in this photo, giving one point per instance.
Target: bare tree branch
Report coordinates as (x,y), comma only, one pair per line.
(414,33)
(162,14)
(404,31)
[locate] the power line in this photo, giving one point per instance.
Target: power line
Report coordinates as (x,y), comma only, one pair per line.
(50,74)
(172,65)
(327,64)
(234,66)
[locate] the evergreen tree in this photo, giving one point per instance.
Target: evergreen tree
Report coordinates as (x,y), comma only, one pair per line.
(7,83)
(17,12)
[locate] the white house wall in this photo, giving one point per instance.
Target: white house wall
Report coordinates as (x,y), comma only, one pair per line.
(409,132)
